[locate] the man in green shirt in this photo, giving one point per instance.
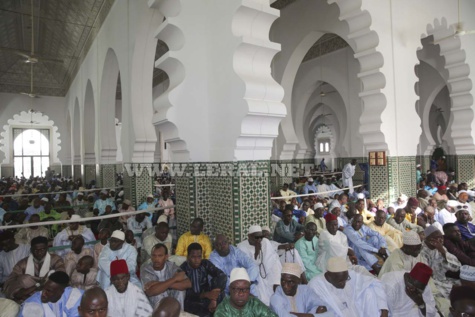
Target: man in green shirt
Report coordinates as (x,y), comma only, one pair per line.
(239,303)
(49,214)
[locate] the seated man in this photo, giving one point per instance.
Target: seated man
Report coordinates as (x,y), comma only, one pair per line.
(150,203)
(360,206)
(261,251)
(138,225)
(462,301)
(30,273)
(408,293)
(406,257)
(162,235)
(103,201)
(366,243)
(68,234)
(317,218)
(126,207)
(467,276)
(11,253)
(162,278)
(467,229)
(285,192)
(194,235)
(26,234)
(56,299)
(333,243)
(84,276)
(93,303)
(36,208)
(117,249)
(226,257)
(400,222)
(77,251)
(392,236)
(208,282)
(292,298)
(464,251)
(287,229)
(443,263)
(125,299)
(307,246)
(103,238)
(112,224)
(447,215)
(348,293)
(239,303)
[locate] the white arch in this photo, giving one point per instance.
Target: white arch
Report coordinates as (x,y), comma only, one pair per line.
(19,120)
(89,126)
(76,134)
(455,71)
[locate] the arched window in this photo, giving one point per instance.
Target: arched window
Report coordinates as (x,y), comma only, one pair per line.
(30,151)
(324,146)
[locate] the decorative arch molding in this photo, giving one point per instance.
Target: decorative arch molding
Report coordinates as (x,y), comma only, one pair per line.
(18,121)
(353,25)
(164,113)
(455,71)
(320,128)
(107,127)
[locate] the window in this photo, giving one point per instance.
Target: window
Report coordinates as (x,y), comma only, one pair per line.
(30,152)
(324,146)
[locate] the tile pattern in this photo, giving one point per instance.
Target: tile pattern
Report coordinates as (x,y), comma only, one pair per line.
(379,181)
(465,169)
(89,173)
(128,190)
(108,175)
(77,172)
(143,183)
(185,203)
(66,171)
(402,176)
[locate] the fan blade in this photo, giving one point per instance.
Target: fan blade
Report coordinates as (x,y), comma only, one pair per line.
(31,95)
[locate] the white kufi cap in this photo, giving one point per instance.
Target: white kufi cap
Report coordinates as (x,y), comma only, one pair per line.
(118,235)
(337,265)
(292,269)
(467,273)
(239,273)
(411,238)
(254,229)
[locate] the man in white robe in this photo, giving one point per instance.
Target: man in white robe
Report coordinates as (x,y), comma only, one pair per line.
(66,236)
(408,294)
(56,299)
(291,297)
(11,254)
(261,251)
(26,234)
(347,175)
(125,299)
(348,293)
(117,249)
(137,225)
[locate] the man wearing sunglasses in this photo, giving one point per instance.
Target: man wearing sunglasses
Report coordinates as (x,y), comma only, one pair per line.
(261,251)
(408,294)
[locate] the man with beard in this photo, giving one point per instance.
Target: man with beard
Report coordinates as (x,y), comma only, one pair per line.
(162,278)
(56,299)
(227,257)
(464,251)
(125,299)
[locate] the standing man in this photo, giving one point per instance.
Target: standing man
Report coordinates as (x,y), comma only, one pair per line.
(347,175)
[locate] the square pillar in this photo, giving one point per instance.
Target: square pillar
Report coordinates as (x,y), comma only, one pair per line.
(138,181)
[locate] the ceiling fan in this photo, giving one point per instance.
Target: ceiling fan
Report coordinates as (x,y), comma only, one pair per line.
(31,112)
(459,30)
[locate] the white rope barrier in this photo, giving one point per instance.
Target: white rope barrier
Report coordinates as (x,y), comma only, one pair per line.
(57,222)
(313,194)
(324,174)
(164,185)
(62,192)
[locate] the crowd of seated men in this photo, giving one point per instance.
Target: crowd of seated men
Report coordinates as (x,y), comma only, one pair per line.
(328,255)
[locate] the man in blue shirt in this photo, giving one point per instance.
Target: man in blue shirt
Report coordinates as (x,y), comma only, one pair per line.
(467,229)
(310,186)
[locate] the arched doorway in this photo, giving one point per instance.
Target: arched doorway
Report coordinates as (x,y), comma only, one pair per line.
(31,151)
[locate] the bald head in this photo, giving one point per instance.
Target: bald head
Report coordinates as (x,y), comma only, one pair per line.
(93,303)
(168,307)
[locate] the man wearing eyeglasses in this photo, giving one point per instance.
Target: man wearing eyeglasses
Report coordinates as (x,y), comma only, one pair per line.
(240,303)
(346,292)
(408,294)
(467,229)
(261,251)
(292,298)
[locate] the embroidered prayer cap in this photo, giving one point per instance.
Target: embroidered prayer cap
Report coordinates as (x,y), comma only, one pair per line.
(318,205)
(403,197)
(265,228)
(411,238)
(150,196)
(90,195)
(330,217)
(310,179)
(292,269)
(45,199)
(76,217)
(337,264)
(254,229)
(118,235)
(104,191)
(467,273)
(453,203)
(430,230)
(162,218)
(418,165)
(413,202)
(360,196)
(127,202)
(421,272)
(238,274)
(119,267)
(80,194)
